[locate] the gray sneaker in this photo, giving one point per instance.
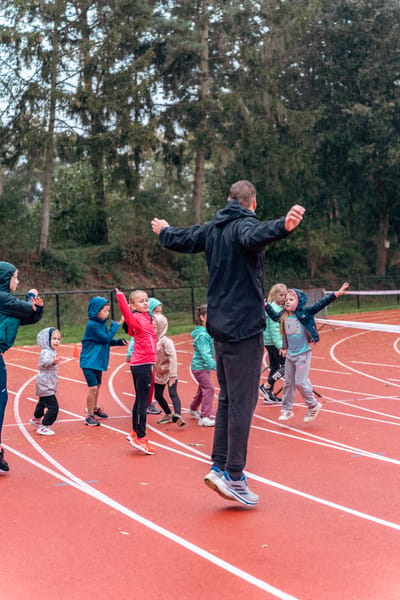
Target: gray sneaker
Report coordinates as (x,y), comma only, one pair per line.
(236,490)
(312,413)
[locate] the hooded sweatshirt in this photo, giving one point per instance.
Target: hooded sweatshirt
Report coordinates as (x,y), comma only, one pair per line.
(167,362)
(13,312)
(46,380)
(203,350)
(234,243)
(97,339)
(305,314)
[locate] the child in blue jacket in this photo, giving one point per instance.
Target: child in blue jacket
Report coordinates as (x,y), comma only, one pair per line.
(299,330)
(13,313)
(95,354)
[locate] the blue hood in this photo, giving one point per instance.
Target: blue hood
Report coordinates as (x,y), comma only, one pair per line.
(95,305)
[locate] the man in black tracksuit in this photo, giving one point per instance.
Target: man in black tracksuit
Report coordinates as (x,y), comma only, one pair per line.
(234,242)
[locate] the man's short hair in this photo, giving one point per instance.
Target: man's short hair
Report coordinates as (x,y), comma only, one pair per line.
(243,191)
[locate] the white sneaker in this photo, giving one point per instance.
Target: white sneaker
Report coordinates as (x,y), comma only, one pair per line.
(312,413)
(43,430)
(286,415)
(35,422)
(194,413)
(206,422)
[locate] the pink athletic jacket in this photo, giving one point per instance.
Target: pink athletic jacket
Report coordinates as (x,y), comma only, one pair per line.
(140,325)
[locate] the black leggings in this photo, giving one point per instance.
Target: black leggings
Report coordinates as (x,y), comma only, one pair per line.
(173,394)
(142,380)
(276,361)
(51,404)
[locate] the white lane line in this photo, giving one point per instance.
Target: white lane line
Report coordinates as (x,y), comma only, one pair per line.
(82,486)
(346,366)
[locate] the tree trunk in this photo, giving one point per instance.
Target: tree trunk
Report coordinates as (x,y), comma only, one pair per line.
(49,152)
(381,242)
(203,126)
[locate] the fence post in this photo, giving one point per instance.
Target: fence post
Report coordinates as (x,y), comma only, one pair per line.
(192,300)
(58,314)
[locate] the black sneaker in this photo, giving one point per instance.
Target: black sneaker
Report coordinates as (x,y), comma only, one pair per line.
(269,397)
(3,463)
(100,414)
(92,421)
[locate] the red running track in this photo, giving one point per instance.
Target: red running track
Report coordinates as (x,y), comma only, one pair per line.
(83,514)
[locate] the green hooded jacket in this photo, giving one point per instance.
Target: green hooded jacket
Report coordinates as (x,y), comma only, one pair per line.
(13,312)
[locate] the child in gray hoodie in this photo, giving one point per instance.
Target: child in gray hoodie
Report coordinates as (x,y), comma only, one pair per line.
(46,410)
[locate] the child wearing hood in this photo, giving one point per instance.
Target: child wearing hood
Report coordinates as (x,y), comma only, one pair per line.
(166,372)
(299,330)
(46,410)
(13,313)
(95,354)
(203,362)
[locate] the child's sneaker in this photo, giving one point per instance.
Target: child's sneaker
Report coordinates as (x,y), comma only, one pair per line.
(100,414)
(3,463)
(165,419)
(35,422)
(206,422)
(153,410)
(92,421)
(145,446)
(312,413)
(178,420)
(43,430)
(269,397)
(141,444)
(194,413)
(236,490)
(286,415)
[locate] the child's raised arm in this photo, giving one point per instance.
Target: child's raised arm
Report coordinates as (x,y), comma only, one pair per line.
(343,289)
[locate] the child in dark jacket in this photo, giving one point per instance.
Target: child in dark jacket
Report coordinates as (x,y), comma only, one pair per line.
(140,326)
(13,313)
(46,410)
(95,354)
(299,330)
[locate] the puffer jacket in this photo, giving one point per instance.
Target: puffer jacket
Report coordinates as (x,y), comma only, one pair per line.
(167,363)
(305,314)
(13,311)
(140,325)
(234,243)
(203,350)
(97,339)
(46,379)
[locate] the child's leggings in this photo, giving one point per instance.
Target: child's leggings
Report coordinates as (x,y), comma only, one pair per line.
(205,393)
(142,379)
(49,402)
(173,394)
(297,369)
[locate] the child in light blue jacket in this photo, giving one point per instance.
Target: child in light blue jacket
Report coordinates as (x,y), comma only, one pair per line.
(203,362)
(273,343)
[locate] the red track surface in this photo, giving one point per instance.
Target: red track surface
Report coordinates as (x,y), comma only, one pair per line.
(84,515)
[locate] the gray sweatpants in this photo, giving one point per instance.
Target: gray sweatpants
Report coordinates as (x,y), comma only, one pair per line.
(297,369)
